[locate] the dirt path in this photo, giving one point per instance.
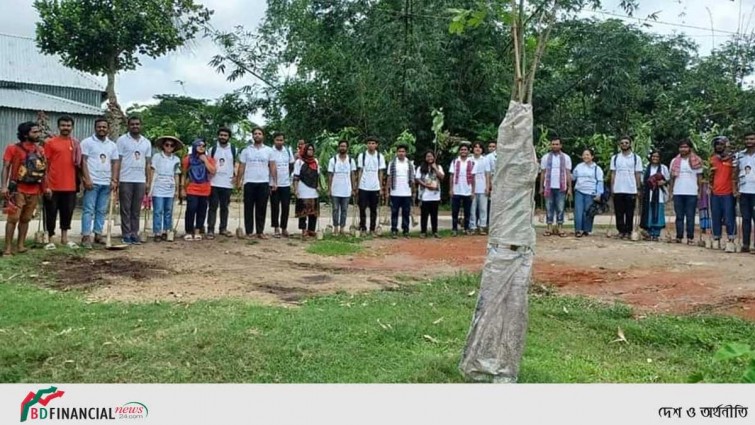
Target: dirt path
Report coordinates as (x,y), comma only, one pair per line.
(655,277)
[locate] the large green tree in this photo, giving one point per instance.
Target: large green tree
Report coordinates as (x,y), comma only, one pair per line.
(107,37)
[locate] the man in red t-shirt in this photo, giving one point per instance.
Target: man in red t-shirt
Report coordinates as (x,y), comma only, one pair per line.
(20,189)
(63,154)
(723,187)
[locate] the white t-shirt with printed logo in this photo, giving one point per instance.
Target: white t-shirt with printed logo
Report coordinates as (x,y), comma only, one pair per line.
(427,194)
(223,177)
(164,179)
(626,166)
(370,164)
(134,155)
(746,176)
(283,159)
(341,170)
(100,156)
(686,182)
(401,179)
(461,186)
(257,163)
(481,170)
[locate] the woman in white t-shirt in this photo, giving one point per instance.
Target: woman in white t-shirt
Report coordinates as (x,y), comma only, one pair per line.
(306,182)
(588,186)
(164,173)
(428,177)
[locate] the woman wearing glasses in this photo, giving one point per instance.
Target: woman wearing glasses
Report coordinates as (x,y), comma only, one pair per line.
(165,171)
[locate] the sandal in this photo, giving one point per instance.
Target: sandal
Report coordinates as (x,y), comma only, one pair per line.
(545,233)
(198,237)
(263,236)
(210,236)
(579,234)
(50,246)
(189,237)
(72,245)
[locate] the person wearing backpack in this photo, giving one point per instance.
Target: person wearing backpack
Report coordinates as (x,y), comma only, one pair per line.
(341,171)
(63,155)
(280,199)
(588,186)
(224,154)
(23,180)
(371,165)
(198,169)
(401,190)
(626,171)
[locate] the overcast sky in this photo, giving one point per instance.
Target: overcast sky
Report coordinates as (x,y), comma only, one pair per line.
(190,65)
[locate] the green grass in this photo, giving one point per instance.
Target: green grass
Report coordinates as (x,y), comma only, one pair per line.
(49,336)
(331,247)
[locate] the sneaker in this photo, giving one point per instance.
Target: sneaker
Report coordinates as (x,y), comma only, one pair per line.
(394,235)
(454,233)
(86,242)
(157,238)
(436,236)
(135,240)
(406,235)
(226,233)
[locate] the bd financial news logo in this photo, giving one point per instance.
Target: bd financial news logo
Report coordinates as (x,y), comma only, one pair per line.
(35,407)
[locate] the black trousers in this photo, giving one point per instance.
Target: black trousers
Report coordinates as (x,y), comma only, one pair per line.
(219,197)
(280,205)
(368,199)
(255,206)
(624,205)
(429,209)
(60,202)
(309,226)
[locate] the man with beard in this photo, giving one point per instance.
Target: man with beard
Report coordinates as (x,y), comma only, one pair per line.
(258,175)
(401,190)
(223,154)
(746,188)
(134,151)
(280,199)
(371,165)
(723,185)
(24,171)
(63,155)
(555,186)
(341,171)
(626,171)
(99,163)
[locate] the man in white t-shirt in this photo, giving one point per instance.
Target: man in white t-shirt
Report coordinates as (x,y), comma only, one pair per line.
(401,190)
(745,170)
(342,182)
(555,186)
(626,172)
(258,175)
(225,156)
(686,181)
(478,220)
(280,199)
(134,151)
(371,165)
(461,188)
(99,163)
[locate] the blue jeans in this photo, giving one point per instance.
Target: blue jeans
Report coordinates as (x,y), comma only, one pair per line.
(340,210)
(722,209)
(684,208)
(162,215)
(95,207)
(554,205)
(746,205)
(404,203)
(582,222)
(479,204)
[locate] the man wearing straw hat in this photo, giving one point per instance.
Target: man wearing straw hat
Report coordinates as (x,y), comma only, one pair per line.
(99,163)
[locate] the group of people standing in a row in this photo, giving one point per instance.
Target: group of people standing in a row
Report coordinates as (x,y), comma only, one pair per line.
(732,178)
(135,171)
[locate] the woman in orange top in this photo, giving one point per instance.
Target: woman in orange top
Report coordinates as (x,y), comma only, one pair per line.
(197,169)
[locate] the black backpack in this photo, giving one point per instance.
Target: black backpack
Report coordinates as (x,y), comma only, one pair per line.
(33,167)
(215,149)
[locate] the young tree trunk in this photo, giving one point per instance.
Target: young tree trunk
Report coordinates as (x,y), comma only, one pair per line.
(495,342)
(114,115)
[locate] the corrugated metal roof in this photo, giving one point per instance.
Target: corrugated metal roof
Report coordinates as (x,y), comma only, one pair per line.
(35,101)
(22,62)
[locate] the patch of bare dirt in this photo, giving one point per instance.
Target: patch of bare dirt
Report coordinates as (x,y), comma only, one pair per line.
(87,273)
